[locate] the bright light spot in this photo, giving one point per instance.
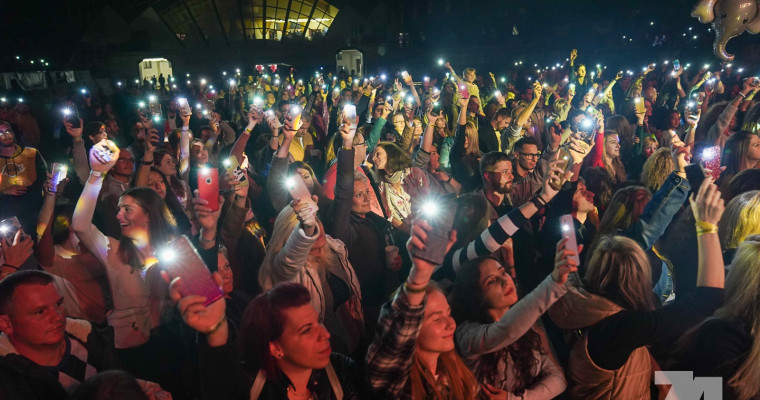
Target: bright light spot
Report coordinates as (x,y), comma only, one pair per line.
(65,111)
(430,209)
(290,182)
(565,228)
(224,73)
(167,255)
(440,61)
(152,98)
(141,104)
(203,81)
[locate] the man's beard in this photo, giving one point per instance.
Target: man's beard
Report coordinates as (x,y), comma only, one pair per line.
(506,189)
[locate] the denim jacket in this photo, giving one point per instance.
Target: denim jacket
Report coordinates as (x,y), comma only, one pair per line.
(659,211)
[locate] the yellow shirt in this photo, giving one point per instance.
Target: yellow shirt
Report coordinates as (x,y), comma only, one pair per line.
(298,146)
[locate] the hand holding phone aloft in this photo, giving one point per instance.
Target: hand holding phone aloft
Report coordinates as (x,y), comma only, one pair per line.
(103,155)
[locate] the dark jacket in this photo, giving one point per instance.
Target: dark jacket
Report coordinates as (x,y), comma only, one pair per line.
(223,376)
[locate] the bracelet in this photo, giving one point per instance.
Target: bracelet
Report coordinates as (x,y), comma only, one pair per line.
(10,266)
(96,173)
(705,225)
(409,289)
(536,202)
(217,325)
(143,162)
(204,240)
(185,128)
(701,231)
(743,95)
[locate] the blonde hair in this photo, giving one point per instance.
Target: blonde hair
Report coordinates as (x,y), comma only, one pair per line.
(462,384)
(472,134)
(740,220)
(619,270)
(742,302)
(657,168)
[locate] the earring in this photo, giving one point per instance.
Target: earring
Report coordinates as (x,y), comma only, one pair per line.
(279,355)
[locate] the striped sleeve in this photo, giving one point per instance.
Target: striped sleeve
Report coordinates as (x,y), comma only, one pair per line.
(489,240)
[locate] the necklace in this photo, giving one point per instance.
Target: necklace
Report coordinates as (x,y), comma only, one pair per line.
(293,395)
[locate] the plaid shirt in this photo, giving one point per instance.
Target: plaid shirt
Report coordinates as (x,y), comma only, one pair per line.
(390,356)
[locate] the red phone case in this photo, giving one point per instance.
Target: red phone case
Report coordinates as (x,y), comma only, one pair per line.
(713,162)
(208,187)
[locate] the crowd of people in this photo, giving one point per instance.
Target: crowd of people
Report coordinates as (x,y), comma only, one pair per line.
(559,234)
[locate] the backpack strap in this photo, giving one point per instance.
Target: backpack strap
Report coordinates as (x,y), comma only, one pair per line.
(334,382)
(258,385)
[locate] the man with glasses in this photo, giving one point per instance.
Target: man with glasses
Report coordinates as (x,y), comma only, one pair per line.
(115,183)
(530,165)
(22,172)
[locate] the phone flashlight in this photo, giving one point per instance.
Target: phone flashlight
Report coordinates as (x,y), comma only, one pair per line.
(20,99)
(204,170)
(740,70)
(599,65)
(324,86)
(152,98)
(205,112)
(276,81)
(426,79)
(383,77)
(709,153)
(203,81)
(440,61)
(167,255)
(3,100)
(66,111)
(565,228)
(290,183)
(141,104)
(4,228)
(356,81)
(430,209)
(198,106)
(410,99)
(156,118)
(227,163)
(83,90)
(587,122)
(637,100)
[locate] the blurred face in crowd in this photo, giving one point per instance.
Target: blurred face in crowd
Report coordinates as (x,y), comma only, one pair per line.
(437,330)
(496,286)
(674,121)
(168,166)
(753,153)
(304,128)
(361,203)
(377,112)
(435,159)
(527,156)
(612,145)
(173,106)
(156,182)
(102,134)
(112,128)
(7,136)
(380,158)
(225,270)
(132,218)
(399,123)
(502,123)
(500,177)
(305,343)
(125,164)
(198,153)
(345,96)
(581,72)
(650,148)
(308,178)
(36,317)
(469,75)
(360,149)
(270,98)
(650,94)
(440,124)
(417,128)
(648,108)
(583,199)
(205,134)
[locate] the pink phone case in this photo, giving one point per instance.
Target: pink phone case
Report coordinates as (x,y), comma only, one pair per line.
(299,190)
(568,232)
(712,162)
(464,91)
(208,187)
(187,264)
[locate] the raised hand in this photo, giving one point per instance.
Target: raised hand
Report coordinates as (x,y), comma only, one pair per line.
(74,132)
(103,156)
(707,205)
(207,218)
(564,263)
(306,212)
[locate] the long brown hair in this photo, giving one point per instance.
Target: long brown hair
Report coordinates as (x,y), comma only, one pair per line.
(161,226)
(467,305)
(451,369)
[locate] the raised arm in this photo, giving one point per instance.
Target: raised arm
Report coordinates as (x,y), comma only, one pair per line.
(78,152)
(81,222)
(522,119)
(377,129)
(143,172)
(184,146)
(344,187)
(239,147)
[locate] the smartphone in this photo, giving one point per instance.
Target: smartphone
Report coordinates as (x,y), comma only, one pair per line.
(59,174)
(71,116)
(711,160)
(161,137)
(181,259)
(349,112)
(276,124)
(208,187)
(155,110)
(103,154)
(567,224)
(695,174)
(232,166)
(437,107)
(676,65)
(439,214)
(184,107)
(9,227)
(638,102)
(298,189)
(404,75)
(295,113)
(463,91)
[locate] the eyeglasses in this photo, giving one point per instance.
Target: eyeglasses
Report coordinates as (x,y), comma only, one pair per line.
(364,143)
(531,155)
(6,132)
(127,160)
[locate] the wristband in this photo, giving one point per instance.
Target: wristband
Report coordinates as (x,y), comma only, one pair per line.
(701,231)
(537,201)
(217,325)
(185,128)
(143,162)
(409,289)
(743,95)
(96,173)
(705,225)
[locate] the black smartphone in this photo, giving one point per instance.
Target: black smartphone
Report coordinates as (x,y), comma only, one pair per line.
(71,116)
(695,174)
(436,108)
(439,213)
